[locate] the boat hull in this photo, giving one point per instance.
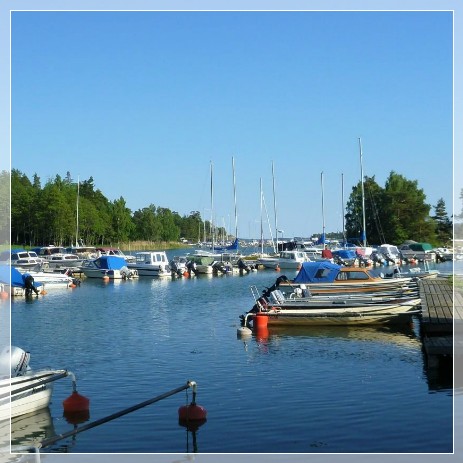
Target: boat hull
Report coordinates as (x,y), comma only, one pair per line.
(14,402)
(400,315)
(149,271)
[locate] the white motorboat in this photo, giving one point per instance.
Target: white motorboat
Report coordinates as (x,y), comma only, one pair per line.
(20,258)
(23,390)
(291,260)
(112,267)
(58,257)
(151,264)
(108,251)
(52,280)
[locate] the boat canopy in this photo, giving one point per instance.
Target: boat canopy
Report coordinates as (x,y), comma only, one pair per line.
(110,262)
(317,272)
(423,247)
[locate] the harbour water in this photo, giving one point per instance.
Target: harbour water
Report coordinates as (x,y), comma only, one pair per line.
(308,390)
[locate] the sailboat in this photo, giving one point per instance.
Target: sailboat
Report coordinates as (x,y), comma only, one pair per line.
(219,259)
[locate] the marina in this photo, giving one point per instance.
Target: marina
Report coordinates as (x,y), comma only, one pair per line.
(328,386)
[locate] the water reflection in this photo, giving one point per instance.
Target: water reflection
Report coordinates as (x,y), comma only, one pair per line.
(401,335)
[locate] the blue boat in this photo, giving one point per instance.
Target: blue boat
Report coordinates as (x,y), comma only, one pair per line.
(20,283)
(112,267)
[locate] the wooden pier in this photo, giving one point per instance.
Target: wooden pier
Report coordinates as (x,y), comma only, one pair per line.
(442,307)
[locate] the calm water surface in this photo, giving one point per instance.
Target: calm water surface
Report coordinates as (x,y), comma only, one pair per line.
(310,390)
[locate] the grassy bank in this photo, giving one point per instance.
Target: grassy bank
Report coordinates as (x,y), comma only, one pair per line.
(148,245)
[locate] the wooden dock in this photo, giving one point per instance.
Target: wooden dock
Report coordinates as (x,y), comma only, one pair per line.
(441,308)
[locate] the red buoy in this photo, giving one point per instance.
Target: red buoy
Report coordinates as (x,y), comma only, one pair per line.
(76,403)
(192,412)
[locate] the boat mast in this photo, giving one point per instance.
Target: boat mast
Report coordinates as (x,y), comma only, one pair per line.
(275,206)
(212,211)
(261,221)
(323,211)
(342,209)
(234,197)
(364,232)
(77,213)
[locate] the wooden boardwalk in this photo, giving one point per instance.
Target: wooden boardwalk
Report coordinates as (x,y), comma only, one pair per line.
(442,308)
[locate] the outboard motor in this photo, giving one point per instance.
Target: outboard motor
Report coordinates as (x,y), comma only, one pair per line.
(243,267)
(29,284)
(191,267)
(14,362)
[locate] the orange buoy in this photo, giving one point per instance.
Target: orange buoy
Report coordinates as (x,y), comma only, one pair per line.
(260,321)
(105,278)
(3,295)
(72,285)
(186,274)
(277,268)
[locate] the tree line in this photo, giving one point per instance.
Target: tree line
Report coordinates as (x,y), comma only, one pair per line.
(397,212)
(63,211)
(48,214)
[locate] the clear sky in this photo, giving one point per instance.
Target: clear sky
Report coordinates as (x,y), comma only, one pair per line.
(144,101)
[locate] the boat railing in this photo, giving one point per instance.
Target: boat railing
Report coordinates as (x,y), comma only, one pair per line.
(255,292)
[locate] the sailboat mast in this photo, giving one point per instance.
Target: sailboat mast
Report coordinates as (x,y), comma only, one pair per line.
(323,211)
(364,232)
(275,206)
(342,210)
(77,213)
(212,210)
(261,221)
(234,197)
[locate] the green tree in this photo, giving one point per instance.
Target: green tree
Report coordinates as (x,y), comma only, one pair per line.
(374,196)
(406,210)
(147,225)
(4,207)
(121,220)
(444,226)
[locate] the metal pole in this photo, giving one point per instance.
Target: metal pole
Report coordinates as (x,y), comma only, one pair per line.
(93,424)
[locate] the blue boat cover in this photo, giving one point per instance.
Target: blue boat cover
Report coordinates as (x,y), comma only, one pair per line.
(110,262)
(232,247)
(17,278)
(317,272)
(345,253)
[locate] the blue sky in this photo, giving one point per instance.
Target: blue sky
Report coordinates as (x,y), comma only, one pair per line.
(144,101)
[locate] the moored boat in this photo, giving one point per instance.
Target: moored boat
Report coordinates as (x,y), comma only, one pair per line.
(329,310)
(291,260)
(112,267)
(151,264)
(23,390)
(328,278)
(109,251)
(58,257)
(21,258)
